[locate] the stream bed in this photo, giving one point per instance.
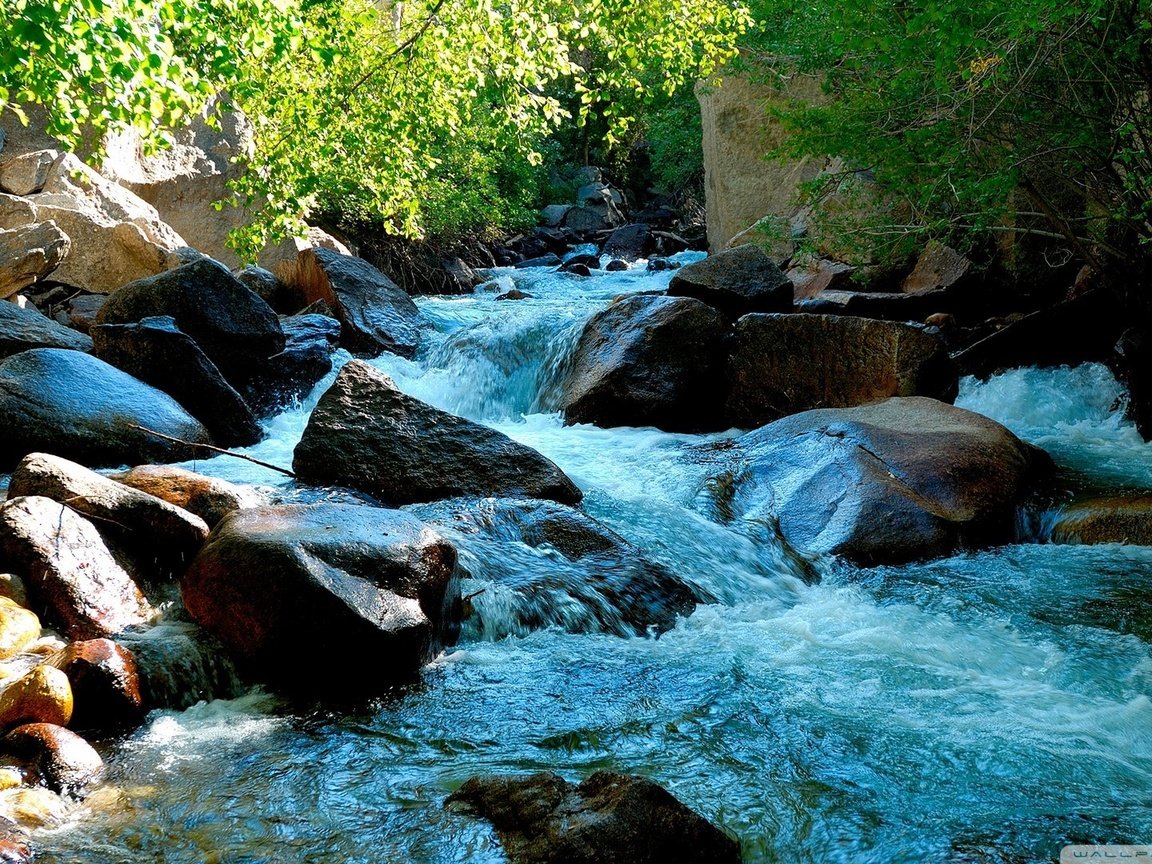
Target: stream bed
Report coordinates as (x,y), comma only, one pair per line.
(990,707)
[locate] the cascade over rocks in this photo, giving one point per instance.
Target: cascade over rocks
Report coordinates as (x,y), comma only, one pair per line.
(179,664)
(375,314)
(737,281)
(609,817)
(899,480)
(29,253)
(25,329)
(782,364)
(650,361)
(155,351)
(233,326)
(618,590)
(366,434)
(281,586)
(207,497)
(77,406)
(310,341)
(70,573)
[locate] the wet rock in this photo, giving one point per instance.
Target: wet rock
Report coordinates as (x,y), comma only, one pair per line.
(608,586)
(105,686)
(366,434)
(592,262)
(19,627)
(737,281)
(783,364)
(659,265)
(630,243)
(24,329)
(82,311)
(156,352)
(14,845)
(1133,358)
(152,530)
(375,314)
(616,266)
(28,253)
(268,288)
(54,757)
(514,294)
(207,497)
(233,326)
(31,808)
(542,819)
(279,585)
(43,695)
(578,270)
(179,665)
(900,480)
(880,305)
(70,573)
(650,361)
(1119,519)
(939,267)
(310,341)
(549,260)
(553,215)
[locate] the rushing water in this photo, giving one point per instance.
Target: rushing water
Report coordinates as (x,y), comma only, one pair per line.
(989,707)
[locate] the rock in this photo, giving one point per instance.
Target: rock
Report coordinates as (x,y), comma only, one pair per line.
(41,696)
(783,364)
(881,305)
(19,627)
(68,569)
(553,215)
(24,329)
(16,212)
(816,277)
(592,262)
(310,341)
(14,845)
(268,288)
(584,220)
(26,174)
(650,361)
(737,282)
(116,237)
(1133,359)
(82,311)
(578,270)
(514,294)
(900,480)
(280,585)
(289,251)
(156,533)
(608,587)
(29,253)
(32,807)
(232,326)
(105,686)
(374,312)
(610,817)
(206,497)
(366,434)
(75,405)
(55,757)
(155,351)
(616,266)
(600,199)
(939,268)
(1119,519)
(659,265)
(549,260)
(179,665)
(630,243)
(12,588)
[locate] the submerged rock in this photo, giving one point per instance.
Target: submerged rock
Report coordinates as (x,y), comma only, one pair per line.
(1119,519)
(207,497)
(366,434)
(903,479)
(24,329)
(650,361)
(78,406)
(609,817)
(55,757)
(737,281)
(179,665)
(282,586)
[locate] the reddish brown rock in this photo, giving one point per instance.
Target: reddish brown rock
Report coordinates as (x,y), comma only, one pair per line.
(1119,519)
(55,757)
(105,686)
(939,267)
(817,277)
(207,497)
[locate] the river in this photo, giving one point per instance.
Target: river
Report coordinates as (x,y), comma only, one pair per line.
(989,707)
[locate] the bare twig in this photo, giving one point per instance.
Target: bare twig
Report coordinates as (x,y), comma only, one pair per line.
(219,450)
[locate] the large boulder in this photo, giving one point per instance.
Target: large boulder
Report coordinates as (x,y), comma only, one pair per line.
(29,253)
(179,665)
(105,686)
(24,329)
(207,497)
(900,480)
(376,315)
(78,406)
(939,268)
(783,364)
(156,534)
(650,361)
(27,173)
(157,352)
(54,757)
(881,305)
(609,817)
(310,341)
(233,326)
(596,580)
(366,434)
(71,574)
(737,282)
(630,243)
(43,695)
(283,586)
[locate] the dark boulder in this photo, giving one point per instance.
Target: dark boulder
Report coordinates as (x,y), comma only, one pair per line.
(650,361)
(1119,519)
(310,341)
(366,434)
(592,262)
(899,480)
(630,243)
(71,575)
(230,323)
(1133,359)
(207,497)
(179,665)
(578,270)
(268,288)
(105,686)
(514,294)
(156,352)
(603,583)
(610,817)
(54,757)
(23,329)
(616,266)
(78,406)
(82,309)
(815,277)
(549,260)
(736,282)
(283,586)
(881,305)
(783,364)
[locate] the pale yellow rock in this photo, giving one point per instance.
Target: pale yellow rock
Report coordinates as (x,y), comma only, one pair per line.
(42,696)
(10,778)
(19,628)
(33,807)
(12,587)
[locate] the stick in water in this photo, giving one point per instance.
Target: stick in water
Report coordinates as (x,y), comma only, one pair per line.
(222,452)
